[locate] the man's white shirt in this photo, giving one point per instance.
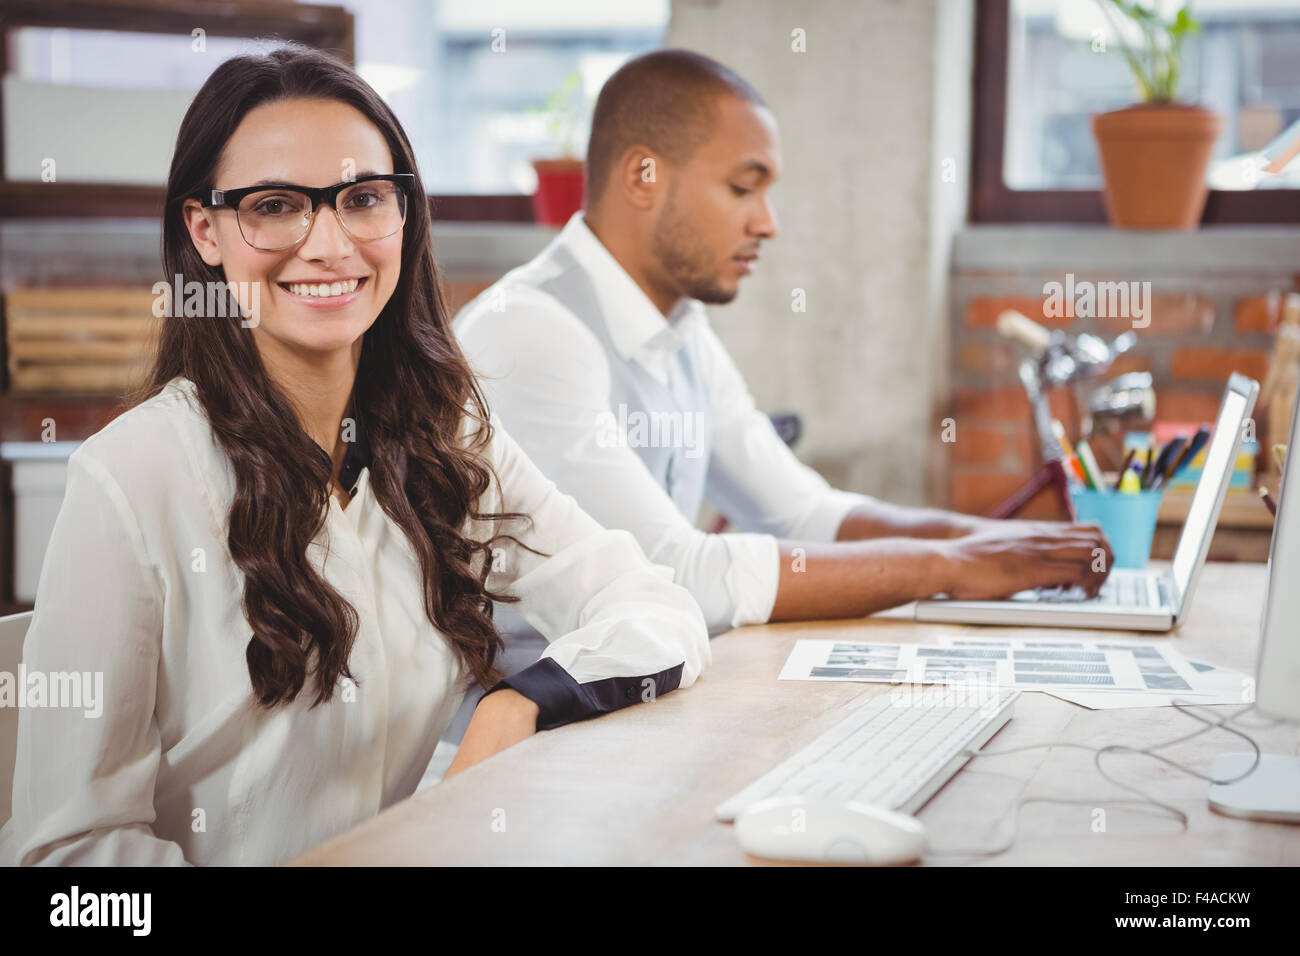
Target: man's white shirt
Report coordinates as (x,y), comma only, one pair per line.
(547,372)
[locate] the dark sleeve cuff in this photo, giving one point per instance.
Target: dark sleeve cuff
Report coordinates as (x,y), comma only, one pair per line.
(561,700)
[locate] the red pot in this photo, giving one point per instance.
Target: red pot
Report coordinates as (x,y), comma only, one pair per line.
(559,190)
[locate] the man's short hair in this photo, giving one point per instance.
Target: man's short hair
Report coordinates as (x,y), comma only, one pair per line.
(665,100)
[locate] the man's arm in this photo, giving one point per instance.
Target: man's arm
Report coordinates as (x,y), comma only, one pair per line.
(547,378)
(879,519)
(853,578)
(846,555)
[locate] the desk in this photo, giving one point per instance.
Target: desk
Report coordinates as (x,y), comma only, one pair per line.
(638,786)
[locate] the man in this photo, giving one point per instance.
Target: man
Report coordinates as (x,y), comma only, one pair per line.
(599,360)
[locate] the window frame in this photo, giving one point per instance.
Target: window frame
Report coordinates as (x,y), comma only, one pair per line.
(992,201)
(322,27)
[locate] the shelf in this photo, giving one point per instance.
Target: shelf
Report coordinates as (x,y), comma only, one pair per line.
(1240,510)
(75,417)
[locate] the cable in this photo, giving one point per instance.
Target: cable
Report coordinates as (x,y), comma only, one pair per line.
(1147,799)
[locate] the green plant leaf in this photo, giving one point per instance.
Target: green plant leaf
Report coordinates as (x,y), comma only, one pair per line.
(1157,65)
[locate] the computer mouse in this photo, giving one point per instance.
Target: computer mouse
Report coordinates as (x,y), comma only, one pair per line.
(821,830)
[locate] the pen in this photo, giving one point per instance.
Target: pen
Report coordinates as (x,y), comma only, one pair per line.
(1158,469)
(1170,457)
(1265,497)
(1146,469)
(1193,447)
(1128,460)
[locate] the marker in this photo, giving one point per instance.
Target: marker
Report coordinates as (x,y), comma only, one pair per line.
(1265,497)
(1073,469)
(1091,470)
(1193,448)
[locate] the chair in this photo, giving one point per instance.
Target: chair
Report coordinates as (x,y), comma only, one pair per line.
(13,628)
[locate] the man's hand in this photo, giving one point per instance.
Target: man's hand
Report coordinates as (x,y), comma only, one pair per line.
(500,720)
(1003,557)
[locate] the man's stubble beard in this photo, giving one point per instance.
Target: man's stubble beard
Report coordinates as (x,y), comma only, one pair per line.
(684,260)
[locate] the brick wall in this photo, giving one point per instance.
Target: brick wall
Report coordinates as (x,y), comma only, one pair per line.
(1204,324)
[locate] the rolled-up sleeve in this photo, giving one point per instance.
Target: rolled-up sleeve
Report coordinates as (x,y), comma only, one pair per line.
(620,631)
(84,776)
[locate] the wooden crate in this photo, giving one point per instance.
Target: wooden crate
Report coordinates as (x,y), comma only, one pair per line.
(79,339)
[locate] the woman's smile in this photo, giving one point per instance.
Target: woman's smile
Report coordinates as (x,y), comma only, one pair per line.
(324,293)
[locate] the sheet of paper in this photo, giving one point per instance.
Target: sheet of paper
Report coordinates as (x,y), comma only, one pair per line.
(1219,685)
(973,663)
(1161,665)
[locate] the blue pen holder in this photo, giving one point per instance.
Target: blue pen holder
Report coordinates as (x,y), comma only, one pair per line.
(1129,521)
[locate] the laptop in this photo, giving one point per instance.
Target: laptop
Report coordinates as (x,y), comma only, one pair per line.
(1131,599)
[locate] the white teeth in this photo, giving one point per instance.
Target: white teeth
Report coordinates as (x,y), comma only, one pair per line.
(324,290)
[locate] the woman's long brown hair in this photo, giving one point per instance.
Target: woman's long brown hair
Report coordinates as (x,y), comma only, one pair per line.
(413,392)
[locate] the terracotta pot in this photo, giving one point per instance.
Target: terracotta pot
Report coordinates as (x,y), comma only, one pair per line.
(1153,158)
(559,190)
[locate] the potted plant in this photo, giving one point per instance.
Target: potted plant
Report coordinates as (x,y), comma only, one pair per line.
(1154,154)
(560,179)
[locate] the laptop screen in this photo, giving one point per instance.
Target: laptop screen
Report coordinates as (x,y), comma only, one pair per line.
(1220,455)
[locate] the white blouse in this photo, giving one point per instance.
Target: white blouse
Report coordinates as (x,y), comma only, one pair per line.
(183,766)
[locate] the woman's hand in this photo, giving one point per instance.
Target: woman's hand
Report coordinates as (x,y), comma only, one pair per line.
(501,720)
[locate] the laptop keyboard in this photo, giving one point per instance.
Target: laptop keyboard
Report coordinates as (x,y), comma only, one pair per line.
(1120,590)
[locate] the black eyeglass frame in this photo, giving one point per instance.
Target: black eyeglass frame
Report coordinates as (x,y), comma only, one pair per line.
(231,198)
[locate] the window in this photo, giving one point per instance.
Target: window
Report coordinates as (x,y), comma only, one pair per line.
(471,80)
(93,93)
(1044,66)
(115,125)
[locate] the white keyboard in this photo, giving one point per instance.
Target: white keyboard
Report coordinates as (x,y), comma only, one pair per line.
(895,751)
(1123,590)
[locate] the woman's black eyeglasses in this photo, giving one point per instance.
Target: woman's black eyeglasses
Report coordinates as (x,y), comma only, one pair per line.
(278,216)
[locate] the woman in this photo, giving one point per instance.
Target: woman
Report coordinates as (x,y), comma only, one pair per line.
(283,559)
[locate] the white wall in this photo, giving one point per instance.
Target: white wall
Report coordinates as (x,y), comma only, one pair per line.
(92,134)
(867,114)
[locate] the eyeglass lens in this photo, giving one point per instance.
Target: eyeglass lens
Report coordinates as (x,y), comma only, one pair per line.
(278,218)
